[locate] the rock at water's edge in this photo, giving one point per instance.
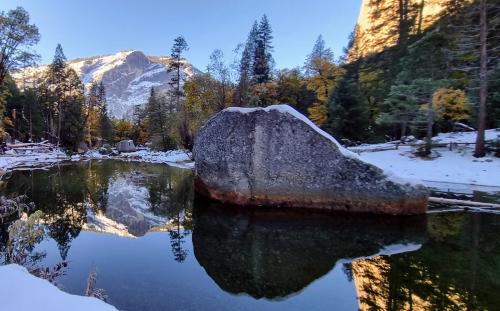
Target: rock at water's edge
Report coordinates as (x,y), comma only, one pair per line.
(82,147)
(126,146)
(275,156)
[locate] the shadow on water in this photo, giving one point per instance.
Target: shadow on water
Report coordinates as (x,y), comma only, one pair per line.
(275,253)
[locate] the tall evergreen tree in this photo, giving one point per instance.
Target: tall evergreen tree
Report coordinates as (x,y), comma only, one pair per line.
(263,60)
(105,124)
(160,114)
(175,66)
(180,46)
(246,67)
(71,111)
(72,122)
(57,81)
(92,112)
(348,117)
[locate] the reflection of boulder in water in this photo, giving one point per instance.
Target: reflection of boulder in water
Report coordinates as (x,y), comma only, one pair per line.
(272,254)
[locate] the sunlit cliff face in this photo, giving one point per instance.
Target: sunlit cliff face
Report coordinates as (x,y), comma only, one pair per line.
(377,22)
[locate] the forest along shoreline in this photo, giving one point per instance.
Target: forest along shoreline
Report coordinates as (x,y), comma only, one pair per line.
(445,166)
(41,159)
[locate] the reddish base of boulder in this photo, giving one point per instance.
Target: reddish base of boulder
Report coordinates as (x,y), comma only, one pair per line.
(355,202)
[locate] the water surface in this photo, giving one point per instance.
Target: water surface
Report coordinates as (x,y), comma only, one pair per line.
(155,247)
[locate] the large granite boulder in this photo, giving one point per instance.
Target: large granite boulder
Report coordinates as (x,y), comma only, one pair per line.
(275,156)
(126,146)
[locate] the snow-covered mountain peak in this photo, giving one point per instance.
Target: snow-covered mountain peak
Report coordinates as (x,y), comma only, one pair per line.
(127,75)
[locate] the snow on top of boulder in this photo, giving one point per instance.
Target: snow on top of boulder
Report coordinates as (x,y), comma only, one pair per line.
(289,110)
(22,291)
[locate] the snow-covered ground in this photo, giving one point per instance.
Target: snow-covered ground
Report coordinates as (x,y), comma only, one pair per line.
(21,291)
(457,166)
(10,160)
(178,158)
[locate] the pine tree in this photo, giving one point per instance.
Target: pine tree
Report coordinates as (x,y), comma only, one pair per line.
(180,46)
(348,117)
(246,67)
(57,81)
(175,65)
(159,114)
(483,80)
(140,120)
(92,113)
(72,121)
(263,60)
(105,124)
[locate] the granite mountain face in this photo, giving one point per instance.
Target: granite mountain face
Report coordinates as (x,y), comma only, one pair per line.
(128,77)
(376,21)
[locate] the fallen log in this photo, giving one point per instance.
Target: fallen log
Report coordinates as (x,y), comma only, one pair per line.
(29,145)
(464,203)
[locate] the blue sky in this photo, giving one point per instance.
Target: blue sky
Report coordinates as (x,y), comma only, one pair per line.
(94,27)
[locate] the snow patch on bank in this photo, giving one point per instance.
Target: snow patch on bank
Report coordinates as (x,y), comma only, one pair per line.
(177,158)
(458,166)
(11,160)
(21,291)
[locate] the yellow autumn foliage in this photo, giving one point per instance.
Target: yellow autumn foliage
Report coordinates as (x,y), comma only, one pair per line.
(451,104)
(322,82)
(318,113)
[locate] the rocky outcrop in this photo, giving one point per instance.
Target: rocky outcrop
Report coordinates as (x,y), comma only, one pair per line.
(378,21)
(125,146)
(82,147)
(277,157)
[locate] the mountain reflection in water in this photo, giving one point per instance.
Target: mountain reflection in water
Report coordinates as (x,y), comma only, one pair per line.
(157,248)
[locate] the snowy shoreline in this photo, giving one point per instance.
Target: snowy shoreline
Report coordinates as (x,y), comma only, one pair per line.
(43,160)
(177,158)
(42,294)
(457,166)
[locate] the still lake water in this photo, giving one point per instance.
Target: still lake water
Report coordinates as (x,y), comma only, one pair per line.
(154,247)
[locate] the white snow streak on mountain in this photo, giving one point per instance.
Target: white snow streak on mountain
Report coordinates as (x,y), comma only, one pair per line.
(128,77)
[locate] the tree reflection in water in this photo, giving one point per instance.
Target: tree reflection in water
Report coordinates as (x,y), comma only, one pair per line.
(458,268)
(452,260)
(92,195)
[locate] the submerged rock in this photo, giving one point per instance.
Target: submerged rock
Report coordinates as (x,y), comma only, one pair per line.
(126,146)
(277,157)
